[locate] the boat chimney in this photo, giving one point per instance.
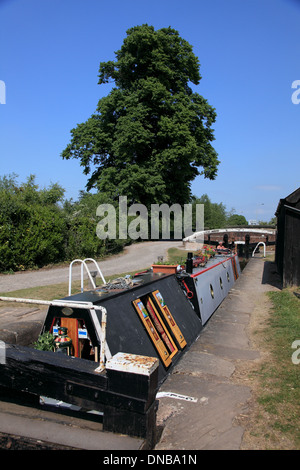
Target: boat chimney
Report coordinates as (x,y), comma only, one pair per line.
(189,263)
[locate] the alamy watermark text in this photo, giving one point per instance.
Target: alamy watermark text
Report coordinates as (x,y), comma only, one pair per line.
(2,92)
(296,94)
(135,222)
(296,354)
(2,352)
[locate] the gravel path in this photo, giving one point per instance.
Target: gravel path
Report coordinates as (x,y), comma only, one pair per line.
(135,257)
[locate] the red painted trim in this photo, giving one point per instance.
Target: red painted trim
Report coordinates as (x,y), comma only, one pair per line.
(211,267)
(52,324)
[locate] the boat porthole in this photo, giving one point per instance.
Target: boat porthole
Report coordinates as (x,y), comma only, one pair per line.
(228,279)
(67,311)
(221,283)
(211,291)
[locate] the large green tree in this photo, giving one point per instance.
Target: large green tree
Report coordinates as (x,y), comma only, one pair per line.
(151,136)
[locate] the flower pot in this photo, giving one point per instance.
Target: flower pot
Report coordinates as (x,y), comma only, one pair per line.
(165,268)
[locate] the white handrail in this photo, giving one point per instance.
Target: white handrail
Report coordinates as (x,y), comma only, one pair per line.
(56,303)
(97,266)
(83,263)
(260,243)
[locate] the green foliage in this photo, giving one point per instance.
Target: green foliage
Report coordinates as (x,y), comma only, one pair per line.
(214,213)
(151,134)
(235,219)
(38,228)
(168,263)
(31,227)
(81,221)
(273,221)
(45,342)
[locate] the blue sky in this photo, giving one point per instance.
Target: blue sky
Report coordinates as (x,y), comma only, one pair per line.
(249,56)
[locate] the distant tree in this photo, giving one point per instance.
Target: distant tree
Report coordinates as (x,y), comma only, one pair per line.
(151,135)
(235,220)
(272,221)
(214,213)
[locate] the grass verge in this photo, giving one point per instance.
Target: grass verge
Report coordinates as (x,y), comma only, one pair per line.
(176,255)
(278,394)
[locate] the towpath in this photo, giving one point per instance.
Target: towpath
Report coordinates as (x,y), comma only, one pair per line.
(135,257)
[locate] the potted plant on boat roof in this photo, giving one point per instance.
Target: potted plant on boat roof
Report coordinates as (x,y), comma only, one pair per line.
(209,251)
(199,259)
(167,267)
